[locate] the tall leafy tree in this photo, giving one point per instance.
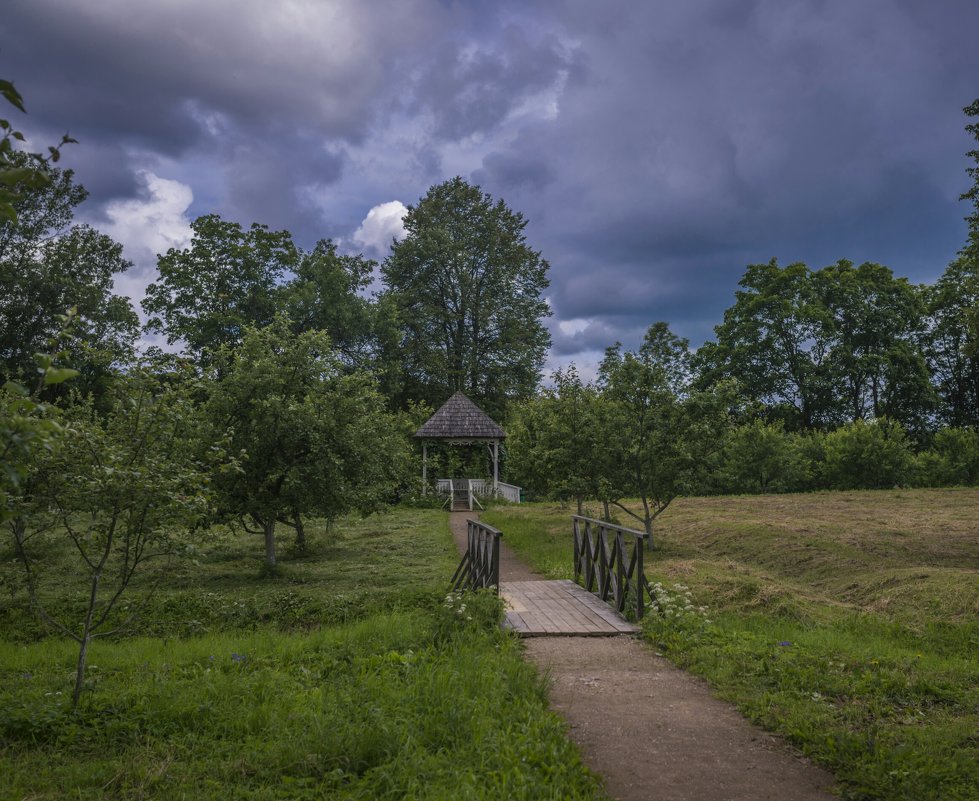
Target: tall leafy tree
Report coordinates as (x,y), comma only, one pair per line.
(467,291)
(876,362)
(775,343)
(49,266)
(227,280)
(313,437)
(953,335)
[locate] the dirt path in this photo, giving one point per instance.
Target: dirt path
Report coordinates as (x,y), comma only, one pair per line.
(652,731)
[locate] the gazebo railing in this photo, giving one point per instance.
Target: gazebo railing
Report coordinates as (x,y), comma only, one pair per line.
(479,486)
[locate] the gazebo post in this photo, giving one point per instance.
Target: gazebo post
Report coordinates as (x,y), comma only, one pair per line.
(496,466)
(424,469)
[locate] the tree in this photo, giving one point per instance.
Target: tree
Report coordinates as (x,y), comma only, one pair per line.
(15,173)
(326,294)
(758,457)
(862,455)
(313,437)
(28,425)
(48,266)
(467,294)
(953,305)
(227,280)
(876,363)
(775,343)
(120,491)
(661,437)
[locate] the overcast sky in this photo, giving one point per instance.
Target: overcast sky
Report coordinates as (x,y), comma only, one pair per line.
(656,148)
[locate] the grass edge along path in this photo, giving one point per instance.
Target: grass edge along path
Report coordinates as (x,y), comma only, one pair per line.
(430,701)
(874,678)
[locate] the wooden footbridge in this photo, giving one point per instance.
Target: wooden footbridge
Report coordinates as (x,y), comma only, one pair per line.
(608,561)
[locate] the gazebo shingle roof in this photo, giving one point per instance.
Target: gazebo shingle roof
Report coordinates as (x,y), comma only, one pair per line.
(460,418)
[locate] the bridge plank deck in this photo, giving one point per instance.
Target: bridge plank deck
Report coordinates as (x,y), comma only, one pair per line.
(559,608)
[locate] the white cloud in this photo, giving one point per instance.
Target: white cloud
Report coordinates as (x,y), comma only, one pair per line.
(147,226)
(383,223)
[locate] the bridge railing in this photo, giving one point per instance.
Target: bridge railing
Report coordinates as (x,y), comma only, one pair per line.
(608,561)
(480,565)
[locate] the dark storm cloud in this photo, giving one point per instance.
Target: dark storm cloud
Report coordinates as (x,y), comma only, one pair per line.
(655,149)
(470,90)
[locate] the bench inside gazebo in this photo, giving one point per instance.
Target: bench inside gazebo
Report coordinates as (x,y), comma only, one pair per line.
(459,421)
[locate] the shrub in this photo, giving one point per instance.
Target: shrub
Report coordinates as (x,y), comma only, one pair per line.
(862,455)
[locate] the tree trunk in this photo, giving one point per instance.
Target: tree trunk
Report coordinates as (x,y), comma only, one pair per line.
(80,668)
(301,544)
(269,531)
(85,639)
(608,512)
(647,521)
(579,505)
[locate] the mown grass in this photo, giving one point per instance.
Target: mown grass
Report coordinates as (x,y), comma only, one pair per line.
(849,622)
(268,696)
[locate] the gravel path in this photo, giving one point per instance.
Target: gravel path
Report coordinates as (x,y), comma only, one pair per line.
(652,731)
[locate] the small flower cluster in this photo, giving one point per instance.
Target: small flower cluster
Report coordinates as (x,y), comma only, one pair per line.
(455,601)
(676,603)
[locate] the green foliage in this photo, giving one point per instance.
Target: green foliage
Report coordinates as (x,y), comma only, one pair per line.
(119,491)
(48,266)
(952,460)
(406,699)
(29,426)
(823,347)
(873,455)
(774,341)
(16,173)
(660,440)
(313,438)
(466,294)
(553,440)
(227,280)
(325,295)
(759,457)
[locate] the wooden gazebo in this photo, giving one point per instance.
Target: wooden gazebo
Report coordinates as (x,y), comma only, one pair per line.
(461,422)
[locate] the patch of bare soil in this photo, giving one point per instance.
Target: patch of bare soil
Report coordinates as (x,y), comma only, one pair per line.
(652,731)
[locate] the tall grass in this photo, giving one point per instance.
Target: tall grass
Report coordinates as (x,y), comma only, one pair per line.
(415,696)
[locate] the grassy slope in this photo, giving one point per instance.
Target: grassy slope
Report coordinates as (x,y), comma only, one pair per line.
(248,696)
(847,621)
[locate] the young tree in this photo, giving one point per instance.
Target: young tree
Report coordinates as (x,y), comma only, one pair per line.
(467,294)
(313,437)
(571,447)
(226,280)
(120,491)
(660,437)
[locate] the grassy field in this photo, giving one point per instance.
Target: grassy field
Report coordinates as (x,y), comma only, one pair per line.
(347,676)
(849,622)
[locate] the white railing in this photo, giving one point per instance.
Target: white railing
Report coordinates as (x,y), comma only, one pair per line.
(508,492)
(482,487)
